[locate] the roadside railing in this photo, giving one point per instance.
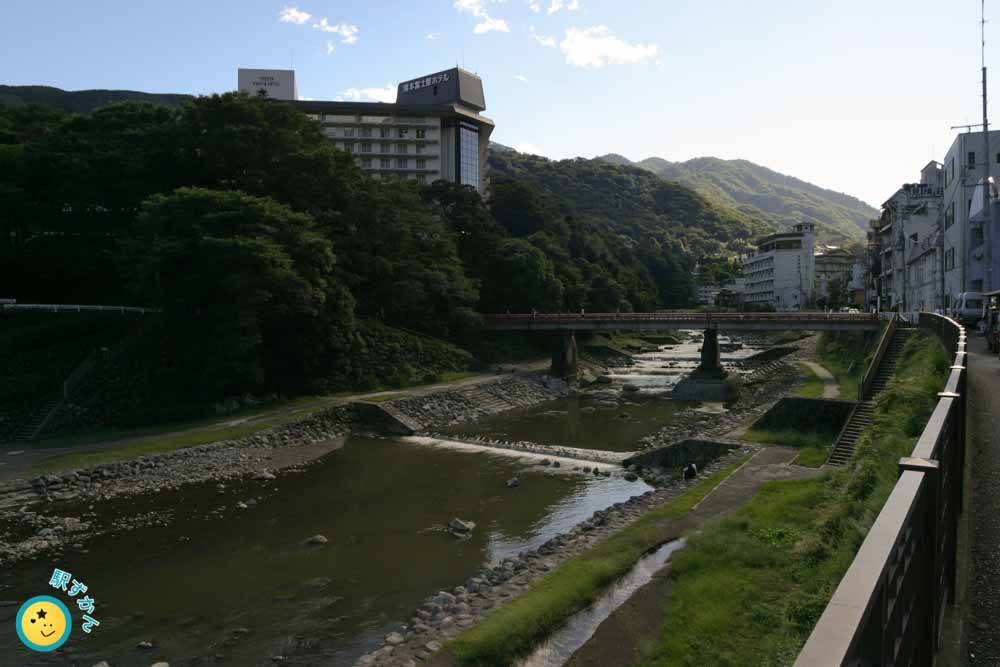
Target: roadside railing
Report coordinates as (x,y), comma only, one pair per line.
(888,608)
(880,350)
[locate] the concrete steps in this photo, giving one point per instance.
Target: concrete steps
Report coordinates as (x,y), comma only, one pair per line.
(34,424)
(861,417)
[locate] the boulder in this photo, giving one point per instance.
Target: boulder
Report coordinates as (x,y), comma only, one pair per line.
(460,528)
(631,477)
(630,388)
(512,482)
(316,540)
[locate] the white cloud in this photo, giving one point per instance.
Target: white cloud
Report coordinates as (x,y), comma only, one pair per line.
(542,39)
(329,46)
(534,6)
(521,77)
(597,47)
(526,147)
(348,32)
(478,9)
(293,15)
(489,24)
(556,5)
(433,35)
(387,94)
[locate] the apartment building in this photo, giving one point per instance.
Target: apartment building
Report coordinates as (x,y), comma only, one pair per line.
(909,218)
(965,254)
(833,277)
(434,130)
(781,271)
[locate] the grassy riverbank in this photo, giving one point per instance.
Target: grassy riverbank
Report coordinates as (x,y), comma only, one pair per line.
(514,629)
(749,588)
(815,447)
(813,387)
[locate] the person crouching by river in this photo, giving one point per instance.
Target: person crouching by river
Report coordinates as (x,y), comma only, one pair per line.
(690,471)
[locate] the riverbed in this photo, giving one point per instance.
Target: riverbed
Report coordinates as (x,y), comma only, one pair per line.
(239,586)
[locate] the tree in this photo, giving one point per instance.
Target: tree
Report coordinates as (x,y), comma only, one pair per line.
(245,288)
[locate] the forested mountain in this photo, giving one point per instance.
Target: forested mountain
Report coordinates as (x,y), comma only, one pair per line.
(765,194)
(648,215)
(81,101)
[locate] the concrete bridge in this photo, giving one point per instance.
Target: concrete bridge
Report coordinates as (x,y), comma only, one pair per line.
(564,355)
(661,321)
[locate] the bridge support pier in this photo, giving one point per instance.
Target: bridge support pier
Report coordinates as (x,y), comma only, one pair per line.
(708,382)
(711,365)
(564,356)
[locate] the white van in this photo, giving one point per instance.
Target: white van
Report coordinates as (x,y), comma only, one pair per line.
(968,307)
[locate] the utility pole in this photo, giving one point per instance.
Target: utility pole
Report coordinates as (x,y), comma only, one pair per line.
(987,213)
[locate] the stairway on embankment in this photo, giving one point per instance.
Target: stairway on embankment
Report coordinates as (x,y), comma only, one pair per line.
(34,424)
(861,416)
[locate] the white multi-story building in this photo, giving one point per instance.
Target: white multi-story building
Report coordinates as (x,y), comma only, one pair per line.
(433,131)
(909,217)
(833,277)
(964,249)
(781,271)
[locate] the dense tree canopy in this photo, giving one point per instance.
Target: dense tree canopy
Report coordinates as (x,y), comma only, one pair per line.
(263,245)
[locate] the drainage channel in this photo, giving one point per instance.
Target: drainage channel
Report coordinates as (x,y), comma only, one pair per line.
(560,647)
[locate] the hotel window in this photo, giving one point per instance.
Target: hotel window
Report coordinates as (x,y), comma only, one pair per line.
(422,134)
(348,131)
(402,132)
(421,163)
(366,147)
(420,148)
(385,163)
(366,163)
(949,259)
(366,132)
(385,132)
(971,159)
(949,216)
(401,149)
(385,148)
(402,163)
(468,155)
(350,147)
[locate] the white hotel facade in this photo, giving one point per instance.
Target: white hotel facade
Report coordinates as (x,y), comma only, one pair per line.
(433,131)
(781,271)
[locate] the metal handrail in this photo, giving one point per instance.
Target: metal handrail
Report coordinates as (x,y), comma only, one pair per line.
(870,372)
(888,607)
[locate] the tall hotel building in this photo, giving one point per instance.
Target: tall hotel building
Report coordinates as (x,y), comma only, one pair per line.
(433,131)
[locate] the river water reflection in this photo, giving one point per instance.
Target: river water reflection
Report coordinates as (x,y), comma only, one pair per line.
(244,588)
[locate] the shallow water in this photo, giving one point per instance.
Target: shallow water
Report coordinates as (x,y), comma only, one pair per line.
(563,643)
(606,417)
(380,503)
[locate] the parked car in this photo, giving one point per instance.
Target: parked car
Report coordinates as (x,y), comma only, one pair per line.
(967,308)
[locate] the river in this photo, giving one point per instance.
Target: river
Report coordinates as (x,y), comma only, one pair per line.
(219,584)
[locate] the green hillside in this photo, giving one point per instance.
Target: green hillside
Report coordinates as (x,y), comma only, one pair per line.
(81,101)
(765,194)
(634,203)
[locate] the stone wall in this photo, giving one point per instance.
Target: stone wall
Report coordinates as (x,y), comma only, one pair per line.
(676,455)
(809,415)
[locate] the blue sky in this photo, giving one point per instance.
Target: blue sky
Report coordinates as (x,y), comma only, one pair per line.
(852,95)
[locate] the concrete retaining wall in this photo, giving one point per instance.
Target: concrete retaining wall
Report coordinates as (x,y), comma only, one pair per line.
(693,450)
(809,415)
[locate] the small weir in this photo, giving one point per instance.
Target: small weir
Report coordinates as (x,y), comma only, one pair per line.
(561,645)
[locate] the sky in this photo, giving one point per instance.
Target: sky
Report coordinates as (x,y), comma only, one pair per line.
(852,95)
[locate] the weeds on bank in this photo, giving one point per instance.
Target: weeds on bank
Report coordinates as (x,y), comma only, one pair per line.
(514,629)
(749,588)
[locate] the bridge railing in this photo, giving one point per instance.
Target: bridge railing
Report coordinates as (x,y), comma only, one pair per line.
(694,317)
(74,308)
(888,608)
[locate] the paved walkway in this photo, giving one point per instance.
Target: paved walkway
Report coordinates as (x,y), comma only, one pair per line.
(982,630)
(831,389)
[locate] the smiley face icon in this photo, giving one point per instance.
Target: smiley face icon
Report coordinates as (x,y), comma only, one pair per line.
(43,623)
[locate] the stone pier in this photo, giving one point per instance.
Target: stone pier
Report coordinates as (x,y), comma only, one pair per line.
(708,382)
(564,356)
